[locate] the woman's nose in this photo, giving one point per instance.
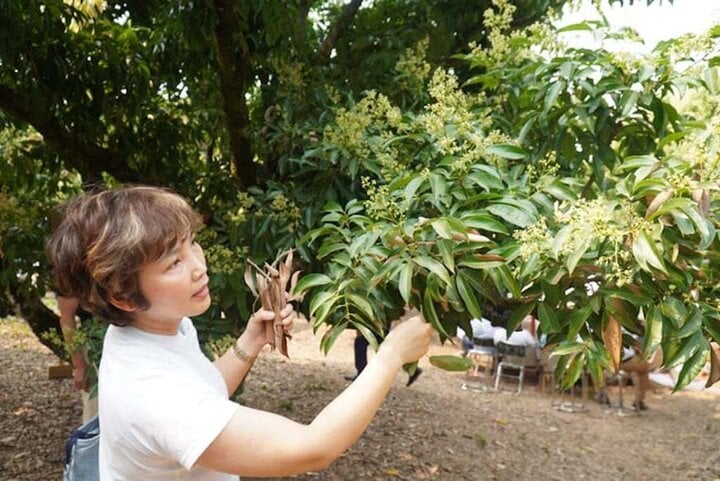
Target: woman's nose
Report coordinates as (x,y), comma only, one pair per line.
(199,267)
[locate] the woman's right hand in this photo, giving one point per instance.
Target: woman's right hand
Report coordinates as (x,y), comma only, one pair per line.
(410,338)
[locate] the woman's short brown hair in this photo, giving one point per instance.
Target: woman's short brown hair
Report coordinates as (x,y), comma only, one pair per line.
(105,238)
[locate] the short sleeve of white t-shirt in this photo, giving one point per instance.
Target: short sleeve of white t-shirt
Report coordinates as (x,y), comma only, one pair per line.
(181,418)
(161,404)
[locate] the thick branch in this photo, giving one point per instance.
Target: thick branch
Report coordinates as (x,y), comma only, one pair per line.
(303,12)
(41,320)
(89,159)
(233,58)
(343,23)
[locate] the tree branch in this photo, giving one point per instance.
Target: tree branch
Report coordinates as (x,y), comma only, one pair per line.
(41,320)
(234,68)
(343,23)
(89,159)
(304,11)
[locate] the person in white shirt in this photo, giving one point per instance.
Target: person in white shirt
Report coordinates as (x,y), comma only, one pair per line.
(129,256)
(482,330)
(527,335)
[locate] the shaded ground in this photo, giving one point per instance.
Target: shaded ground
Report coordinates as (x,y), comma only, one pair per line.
(433,430)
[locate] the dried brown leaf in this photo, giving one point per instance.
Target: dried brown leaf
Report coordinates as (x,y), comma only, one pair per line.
(612,338)
(250,280)
(658,201)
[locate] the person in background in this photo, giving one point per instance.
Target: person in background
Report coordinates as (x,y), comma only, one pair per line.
(68,307)
(527,334)
(360,358)
(130,257)
(639,367)
(483,333)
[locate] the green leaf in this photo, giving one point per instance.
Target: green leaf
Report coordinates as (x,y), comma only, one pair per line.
(560,191)
(649,186)
(579,251)
(507,151)
(548,320)
(405,282)
(447,252)
(686,349)
(670,205)
(467,295)
(442,228)
(518,315)
(321,299)
(574,370)
(711,78)
(568,347)
(577,320)
(412,188)
(693,366)
(370,335)
(362,305)
(673,309)
(628,101)
(508,280)
(484,222)
(487,181)
(331,335)
(451,363)
(512,214)
(430,314)
(627,295)
(693,323)
(701,224)
(653,331)
(582,26)
(552,95)
(439,188)
(328,249)
(323,311)
(635,162)
(387,271)
(646,253)
(434,267)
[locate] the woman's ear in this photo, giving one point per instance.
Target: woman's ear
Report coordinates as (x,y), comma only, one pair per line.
(123,304)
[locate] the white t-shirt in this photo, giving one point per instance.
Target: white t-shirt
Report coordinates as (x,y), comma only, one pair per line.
(481,329)
(522,338)
(161,404)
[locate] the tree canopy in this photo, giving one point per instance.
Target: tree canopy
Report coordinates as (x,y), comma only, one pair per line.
(460,159)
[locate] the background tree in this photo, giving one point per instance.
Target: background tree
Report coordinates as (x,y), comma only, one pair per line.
(517,174)
(210,98)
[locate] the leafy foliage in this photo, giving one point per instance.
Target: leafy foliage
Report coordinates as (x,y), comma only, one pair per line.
(478,166)
(571,186)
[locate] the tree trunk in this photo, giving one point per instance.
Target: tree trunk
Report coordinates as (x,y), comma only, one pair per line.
(41,320)
(233,59)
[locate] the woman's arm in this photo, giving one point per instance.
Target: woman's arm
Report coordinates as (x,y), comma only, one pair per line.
(257,443)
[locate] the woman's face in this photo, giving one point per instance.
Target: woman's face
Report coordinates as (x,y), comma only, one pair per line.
(175,286)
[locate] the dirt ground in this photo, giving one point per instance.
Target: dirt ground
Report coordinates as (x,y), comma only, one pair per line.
(432,430)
